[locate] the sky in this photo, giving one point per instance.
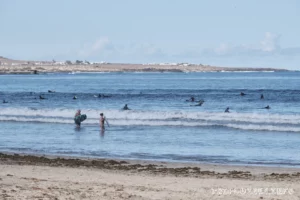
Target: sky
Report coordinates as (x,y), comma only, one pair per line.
(252,33)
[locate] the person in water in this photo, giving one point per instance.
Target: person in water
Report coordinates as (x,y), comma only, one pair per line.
(192,99)
(102,121)
(267,107)
(262,96)
(126,107)
(41,97)
(227,110)
(74,97)
(243,94)
(199,103)
(5,101)
(78,113)
(103,96)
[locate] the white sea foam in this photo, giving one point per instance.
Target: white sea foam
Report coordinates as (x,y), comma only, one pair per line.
(246,121)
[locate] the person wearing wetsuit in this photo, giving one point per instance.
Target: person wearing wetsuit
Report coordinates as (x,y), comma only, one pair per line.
(77,122)
(126,107)
(227,110)
(192,99)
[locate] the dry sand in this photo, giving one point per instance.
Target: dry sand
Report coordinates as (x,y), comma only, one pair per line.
(32,177)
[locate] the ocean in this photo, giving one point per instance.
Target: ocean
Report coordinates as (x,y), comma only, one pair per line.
(161,124)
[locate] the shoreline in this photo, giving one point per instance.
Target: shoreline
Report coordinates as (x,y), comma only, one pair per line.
(33,177)
(167,163)
(156,167)
(35,69)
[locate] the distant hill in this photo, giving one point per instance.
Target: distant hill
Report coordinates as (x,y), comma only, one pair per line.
(9,61)
(24,66)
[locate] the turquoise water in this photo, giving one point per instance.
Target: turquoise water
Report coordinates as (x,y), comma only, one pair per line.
(161,124)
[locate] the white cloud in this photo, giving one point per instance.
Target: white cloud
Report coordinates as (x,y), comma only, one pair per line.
(270,42)
(268,46)
(266,52)
(222,49)
(105,49)
(102,46)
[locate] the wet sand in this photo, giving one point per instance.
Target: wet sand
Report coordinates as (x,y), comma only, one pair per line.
(40,177)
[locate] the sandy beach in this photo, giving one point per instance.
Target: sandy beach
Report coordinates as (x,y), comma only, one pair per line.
(33,177)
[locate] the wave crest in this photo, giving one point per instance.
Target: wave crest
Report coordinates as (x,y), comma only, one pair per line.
(243,121)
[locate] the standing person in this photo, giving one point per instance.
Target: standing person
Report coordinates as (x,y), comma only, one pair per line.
(102,120)
(77,118)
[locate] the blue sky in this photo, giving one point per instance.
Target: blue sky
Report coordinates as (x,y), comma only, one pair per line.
(251,33)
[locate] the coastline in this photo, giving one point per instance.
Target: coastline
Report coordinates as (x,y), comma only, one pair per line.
(33,69)
(77,178)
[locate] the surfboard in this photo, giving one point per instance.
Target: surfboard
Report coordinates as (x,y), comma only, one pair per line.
(80,118)
(106,122)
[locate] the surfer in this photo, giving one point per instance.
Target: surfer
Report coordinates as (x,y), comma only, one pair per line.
(74,97)
(227,110)
(192,99)
(102,120)
(199,103)
(262,96)
(41,97)
(243,94)
(77,114)
(267,107)
(51,91)
(78,118)
(126,107)
(103,96)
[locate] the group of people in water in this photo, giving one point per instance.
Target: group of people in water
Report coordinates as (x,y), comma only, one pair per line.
(200,102)
(78,119)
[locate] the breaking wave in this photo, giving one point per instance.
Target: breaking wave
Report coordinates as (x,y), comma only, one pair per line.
(242,121)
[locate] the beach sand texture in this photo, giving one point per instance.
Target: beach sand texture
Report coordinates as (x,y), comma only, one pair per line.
(30,177)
